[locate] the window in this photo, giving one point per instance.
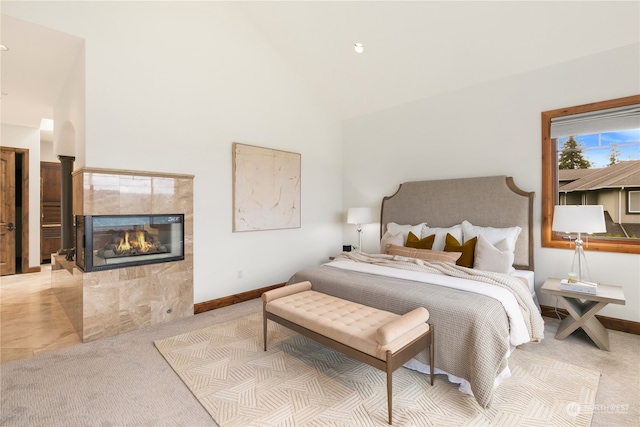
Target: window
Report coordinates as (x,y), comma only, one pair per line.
(634,202)
(578,139)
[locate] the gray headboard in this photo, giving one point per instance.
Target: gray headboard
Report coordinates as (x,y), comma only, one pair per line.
(493,201)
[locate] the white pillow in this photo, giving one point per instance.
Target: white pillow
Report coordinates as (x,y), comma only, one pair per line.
(498,258)
(493,235)
(441,234)
(390,239)
(394,228)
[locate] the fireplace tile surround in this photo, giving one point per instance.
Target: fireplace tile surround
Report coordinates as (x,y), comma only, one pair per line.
(105,303)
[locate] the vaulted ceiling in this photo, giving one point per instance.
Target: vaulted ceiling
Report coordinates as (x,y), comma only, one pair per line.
(419,49)
(34,70)
(413,49)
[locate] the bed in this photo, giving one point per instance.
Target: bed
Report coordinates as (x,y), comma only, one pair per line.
(480,315)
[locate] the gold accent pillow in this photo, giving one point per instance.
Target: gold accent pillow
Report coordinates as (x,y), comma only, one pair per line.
(424,254)
(414,242)
(451,244)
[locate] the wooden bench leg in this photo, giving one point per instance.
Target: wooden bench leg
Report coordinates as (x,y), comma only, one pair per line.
(390,387)
(264,325)
(429,338)
(431,367)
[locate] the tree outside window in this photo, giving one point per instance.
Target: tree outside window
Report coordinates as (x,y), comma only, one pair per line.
(572,156)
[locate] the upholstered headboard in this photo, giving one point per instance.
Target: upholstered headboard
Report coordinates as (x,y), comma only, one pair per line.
(493,201)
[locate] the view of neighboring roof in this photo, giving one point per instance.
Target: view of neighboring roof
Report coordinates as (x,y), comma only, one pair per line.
(568,175)
(621,175)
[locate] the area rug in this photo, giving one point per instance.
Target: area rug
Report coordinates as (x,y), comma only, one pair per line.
(298,382)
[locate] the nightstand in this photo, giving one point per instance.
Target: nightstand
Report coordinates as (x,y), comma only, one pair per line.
(582,309)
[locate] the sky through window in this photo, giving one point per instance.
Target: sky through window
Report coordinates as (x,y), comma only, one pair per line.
(597,147)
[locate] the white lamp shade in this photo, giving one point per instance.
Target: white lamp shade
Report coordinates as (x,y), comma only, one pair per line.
(359,216)
(579,219)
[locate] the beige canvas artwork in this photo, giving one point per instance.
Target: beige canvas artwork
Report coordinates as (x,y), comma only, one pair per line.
(266,188)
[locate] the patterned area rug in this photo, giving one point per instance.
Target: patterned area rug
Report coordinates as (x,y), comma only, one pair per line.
(298,382)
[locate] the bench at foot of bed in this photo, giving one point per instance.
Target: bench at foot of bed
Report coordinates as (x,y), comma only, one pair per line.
(378,338)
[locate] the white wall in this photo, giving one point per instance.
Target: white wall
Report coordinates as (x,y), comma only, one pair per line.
(169,87)
(69,115)
(29,138)
(489,129)
(46,151)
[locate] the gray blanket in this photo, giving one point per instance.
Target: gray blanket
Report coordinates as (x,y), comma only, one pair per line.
(471,331)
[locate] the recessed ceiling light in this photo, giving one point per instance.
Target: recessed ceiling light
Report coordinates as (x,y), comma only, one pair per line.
(358,47)
(3,48)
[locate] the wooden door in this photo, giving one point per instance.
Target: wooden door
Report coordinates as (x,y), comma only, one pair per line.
(7,213)
(50,195)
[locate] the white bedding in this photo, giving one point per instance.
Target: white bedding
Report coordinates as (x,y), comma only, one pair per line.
(518,329)
(529,276)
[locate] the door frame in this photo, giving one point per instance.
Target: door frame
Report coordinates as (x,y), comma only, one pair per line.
(9,222)
(24,256)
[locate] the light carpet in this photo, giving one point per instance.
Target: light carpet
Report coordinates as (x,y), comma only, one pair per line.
(298,382)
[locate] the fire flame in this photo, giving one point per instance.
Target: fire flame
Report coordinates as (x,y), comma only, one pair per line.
(136,242)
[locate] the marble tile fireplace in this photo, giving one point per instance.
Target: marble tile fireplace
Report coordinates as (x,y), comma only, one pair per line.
(106,301)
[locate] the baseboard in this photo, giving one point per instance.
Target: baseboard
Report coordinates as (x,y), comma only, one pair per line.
(201,307)
(621,325)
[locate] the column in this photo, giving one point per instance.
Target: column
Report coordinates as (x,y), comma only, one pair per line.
(66,205)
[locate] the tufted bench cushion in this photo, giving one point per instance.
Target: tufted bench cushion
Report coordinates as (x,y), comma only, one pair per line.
(379,338)
(366,329)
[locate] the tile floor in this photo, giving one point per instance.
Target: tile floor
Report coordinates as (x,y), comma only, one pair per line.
(31,319)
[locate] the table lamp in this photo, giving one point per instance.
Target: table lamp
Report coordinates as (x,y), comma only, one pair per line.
(359,216)
(579,219)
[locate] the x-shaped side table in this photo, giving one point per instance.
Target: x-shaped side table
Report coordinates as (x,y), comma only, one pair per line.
(582,309)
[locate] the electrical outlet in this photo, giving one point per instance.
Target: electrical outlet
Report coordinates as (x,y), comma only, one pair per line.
(239,274)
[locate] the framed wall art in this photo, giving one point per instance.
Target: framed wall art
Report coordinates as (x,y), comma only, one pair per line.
(266,188)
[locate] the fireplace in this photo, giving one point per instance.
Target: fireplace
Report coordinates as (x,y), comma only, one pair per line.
(104,242)
(106,295)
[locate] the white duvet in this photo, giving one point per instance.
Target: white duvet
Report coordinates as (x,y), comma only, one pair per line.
(518,333)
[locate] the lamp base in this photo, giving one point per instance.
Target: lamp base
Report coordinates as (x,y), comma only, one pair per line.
(579,264)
